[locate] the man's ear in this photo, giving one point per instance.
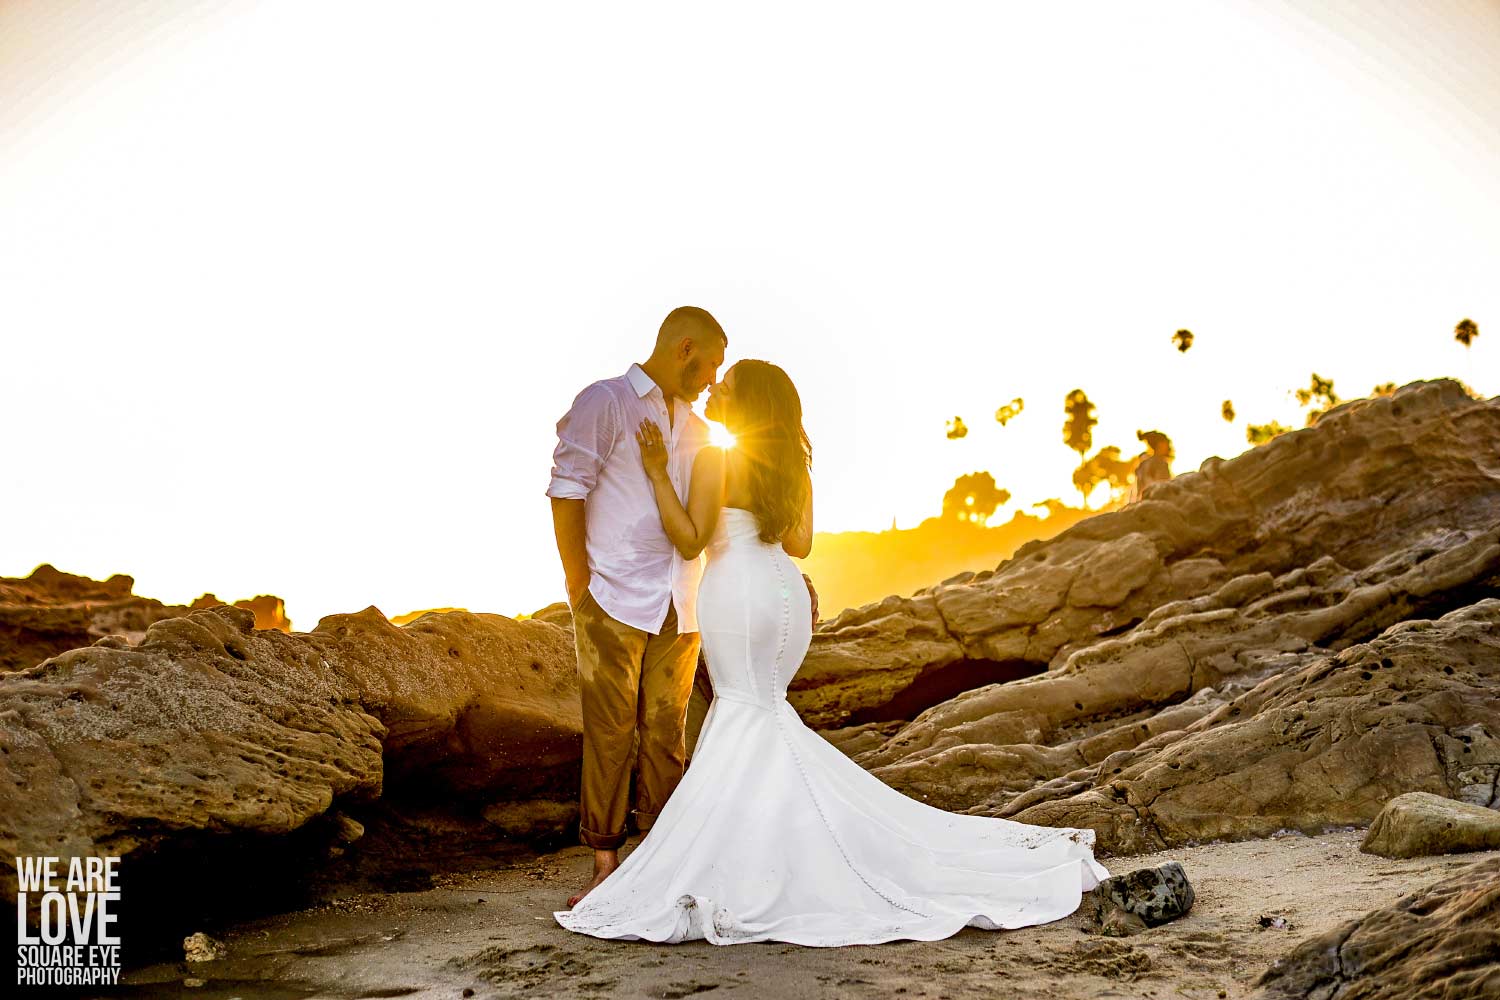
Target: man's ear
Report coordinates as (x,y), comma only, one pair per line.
(685,348)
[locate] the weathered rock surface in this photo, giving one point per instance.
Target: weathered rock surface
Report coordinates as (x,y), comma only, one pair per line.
(1285,628)
(474,704)
(208,726)
(269,611)
(51,612)
(558,614)
(1387,509)
(1418,823)
(1322,746)
(1440,942)
(1147,897)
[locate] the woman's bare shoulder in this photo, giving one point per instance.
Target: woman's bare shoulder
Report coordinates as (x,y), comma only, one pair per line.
(709,456)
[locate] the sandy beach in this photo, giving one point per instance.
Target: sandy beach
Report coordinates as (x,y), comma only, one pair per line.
(491,931)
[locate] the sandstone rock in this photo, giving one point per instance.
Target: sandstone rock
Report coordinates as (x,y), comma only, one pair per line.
(209,726)
(205,725)
(412,616)
(50,612)
(558,614)
(534,820)
(1439,942)
(270,612)
(473,704)
(1311,543)
(866,657)
(1265,564)
(1415,709)
(1115,569)
(1418,823)
(1147,897)
(347,829)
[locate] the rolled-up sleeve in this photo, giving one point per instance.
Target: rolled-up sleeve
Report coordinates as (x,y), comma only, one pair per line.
(585,437)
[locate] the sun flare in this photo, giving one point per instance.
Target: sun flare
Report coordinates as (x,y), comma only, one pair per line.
(719,435)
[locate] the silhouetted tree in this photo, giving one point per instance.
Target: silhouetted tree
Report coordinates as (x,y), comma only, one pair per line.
(956,429)
(1261,433)
(1105,466)
(1183,339)
(1227,411)
(1466,331)
(1078,428)
(1051,505)
(1319,390)
(1010,411)
(973,498)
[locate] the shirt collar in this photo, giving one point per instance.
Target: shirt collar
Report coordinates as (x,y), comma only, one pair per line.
(640,381)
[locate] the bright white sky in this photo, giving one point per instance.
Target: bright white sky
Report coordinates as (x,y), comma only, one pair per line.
(293,294)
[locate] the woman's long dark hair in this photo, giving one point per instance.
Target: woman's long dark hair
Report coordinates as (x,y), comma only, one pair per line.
(765,417)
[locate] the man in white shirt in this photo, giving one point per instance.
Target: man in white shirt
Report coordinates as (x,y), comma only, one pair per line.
(633,595)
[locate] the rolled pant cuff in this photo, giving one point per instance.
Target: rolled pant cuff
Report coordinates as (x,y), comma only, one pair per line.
(601,841)
(643,820)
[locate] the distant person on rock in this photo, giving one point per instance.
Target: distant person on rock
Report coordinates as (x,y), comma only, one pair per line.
(1153,466)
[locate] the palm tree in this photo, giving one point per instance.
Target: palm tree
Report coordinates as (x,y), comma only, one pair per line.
(1010,411)
(1078,429)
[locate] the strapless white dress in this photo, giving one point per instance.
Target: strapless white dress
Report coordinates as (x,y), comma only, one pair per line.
(774,835)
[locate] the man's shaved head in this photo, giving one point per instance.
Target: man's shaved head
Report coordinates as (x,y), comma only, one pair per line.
(689,321)
(689,350)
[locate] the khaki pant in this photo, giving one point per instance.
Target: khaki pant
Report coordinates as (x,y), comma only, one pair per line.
(630,680)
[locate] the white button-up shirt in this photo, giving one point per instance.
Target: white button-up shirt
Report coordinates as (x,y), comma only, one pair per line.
(635,572)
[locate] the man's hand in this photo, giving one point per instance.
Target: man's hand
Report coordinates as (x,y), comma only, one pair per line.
(576,592)
(812,592)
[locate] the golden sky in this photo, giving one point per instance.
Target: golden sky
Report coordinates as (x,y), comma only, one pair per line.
(295,293)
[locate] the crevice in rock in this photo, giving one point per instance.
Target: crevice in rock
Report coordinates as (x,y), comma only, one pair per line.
(1433,607)
(202,881)
(1187,688)
(936,684)
(1120,629)
(205,881)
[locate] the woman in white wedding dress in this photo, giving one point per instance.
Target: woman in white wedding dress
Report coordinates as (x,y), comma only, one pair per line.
(773,834)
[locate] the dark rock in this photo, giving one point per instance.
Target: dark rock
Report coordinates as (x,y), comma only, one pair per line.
(1146,897)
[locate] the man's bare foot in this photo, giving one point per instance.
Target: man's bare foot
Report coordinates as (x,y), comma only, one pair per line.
(604,863)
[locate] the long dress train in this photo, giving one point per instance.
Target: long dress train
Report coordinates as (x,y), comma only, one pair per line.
(774,835)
